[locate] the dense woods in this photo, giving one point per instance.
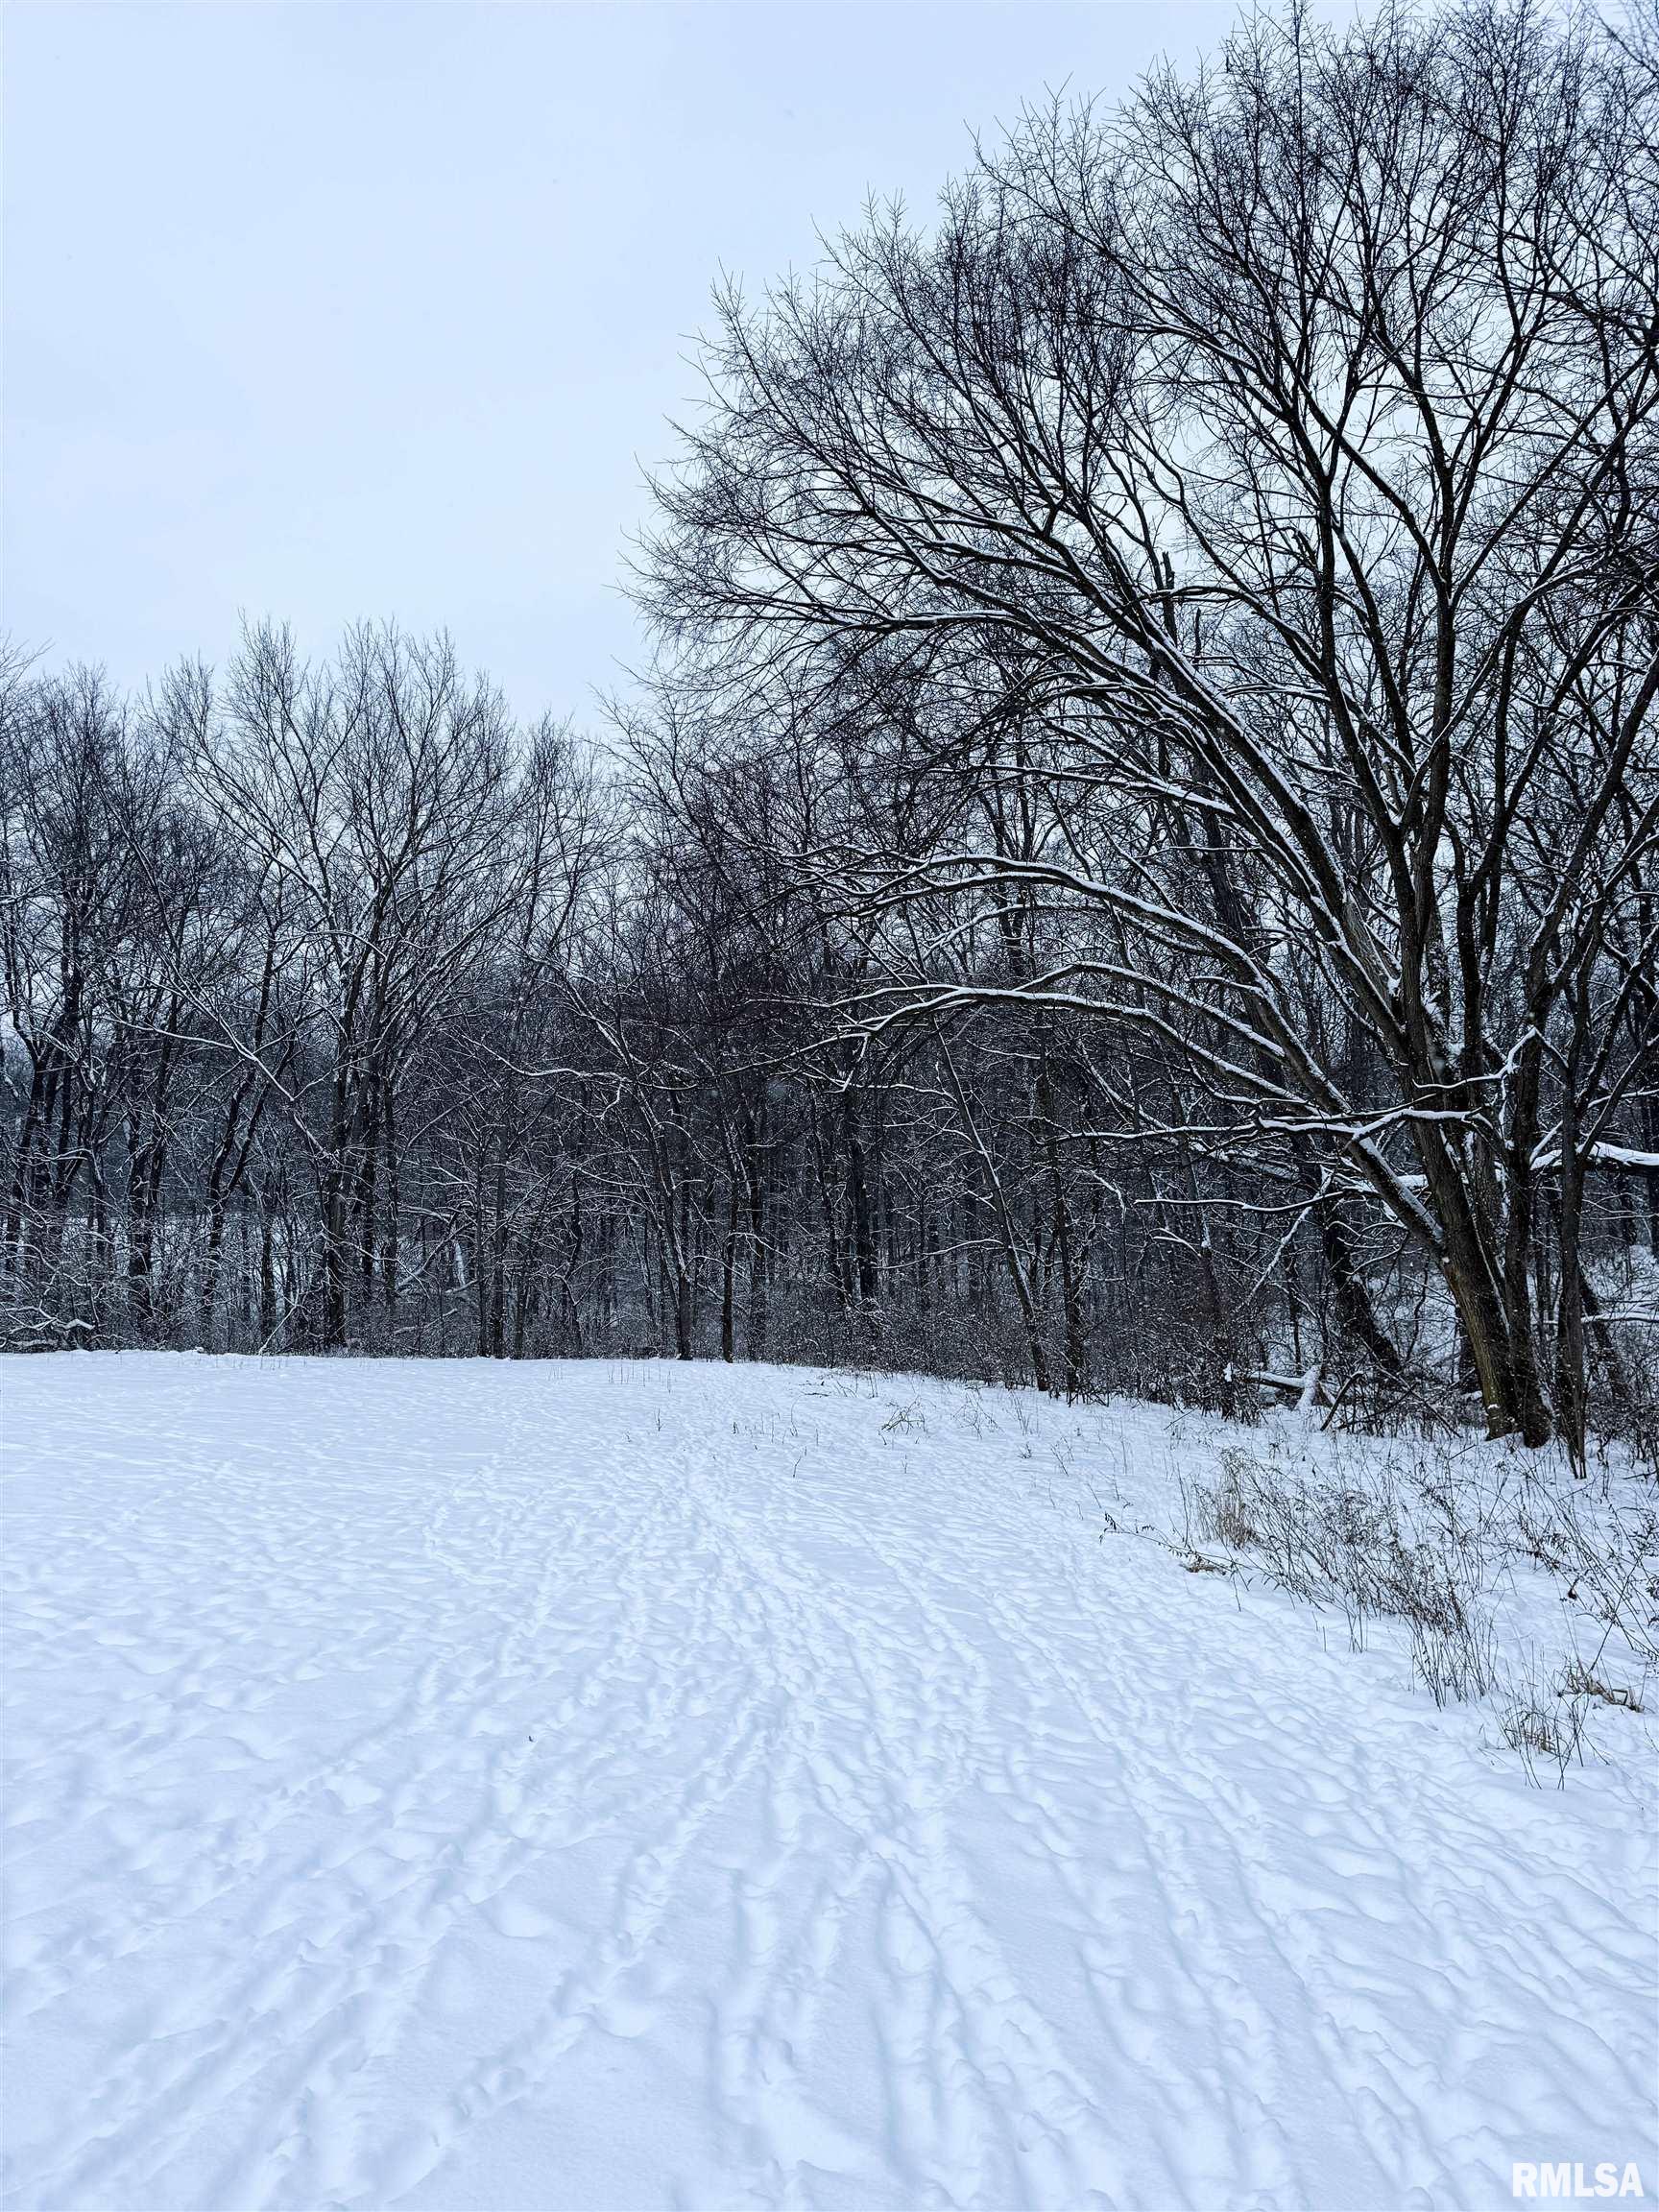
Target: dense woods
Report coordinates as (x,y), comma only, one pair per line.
(1134,864)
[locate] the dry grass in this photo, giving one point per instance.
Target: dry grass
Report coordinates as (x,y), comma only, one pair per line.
(1328,1541)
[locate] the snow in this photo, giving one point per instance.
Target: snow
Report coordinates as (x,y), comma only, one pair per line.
(456,1785)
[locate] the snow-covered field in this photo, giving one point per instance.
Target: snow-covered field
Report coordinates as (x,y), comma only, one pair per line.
(593,1786)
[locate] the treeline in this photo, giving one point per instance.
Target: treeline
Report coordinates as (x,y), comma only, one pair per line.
(1133,866)
(344,1015)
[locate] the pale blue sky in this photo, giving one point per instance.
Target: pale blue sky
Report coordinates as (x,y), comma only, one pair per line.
(377,310)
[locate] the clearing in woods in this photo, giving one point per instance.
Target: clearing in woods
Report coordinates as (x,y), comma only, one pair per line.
(595,1785)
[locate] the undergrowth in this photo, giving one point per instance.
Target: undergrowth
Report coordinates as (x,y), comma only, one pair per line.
(1431,1539)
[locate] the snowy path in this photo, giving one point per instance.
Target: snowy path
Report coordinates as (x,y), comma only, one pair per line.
(590,1786)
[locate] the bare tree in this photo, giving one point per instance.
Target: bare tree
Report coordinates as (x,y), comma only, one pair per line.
(1298,423)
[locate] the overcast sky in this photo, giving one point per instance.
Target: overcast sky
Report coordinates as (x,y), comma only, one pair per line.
(330,311)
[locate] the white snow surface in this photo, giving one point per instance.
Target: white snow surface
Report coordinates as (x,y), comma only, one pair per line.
(456,1785)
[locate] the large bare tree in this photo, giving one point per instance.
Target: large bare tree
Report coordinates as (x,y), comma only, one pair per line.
(1291,433)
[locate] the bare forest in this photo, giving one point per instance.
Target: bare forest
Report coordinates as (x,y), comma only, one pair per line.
(1130,862)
